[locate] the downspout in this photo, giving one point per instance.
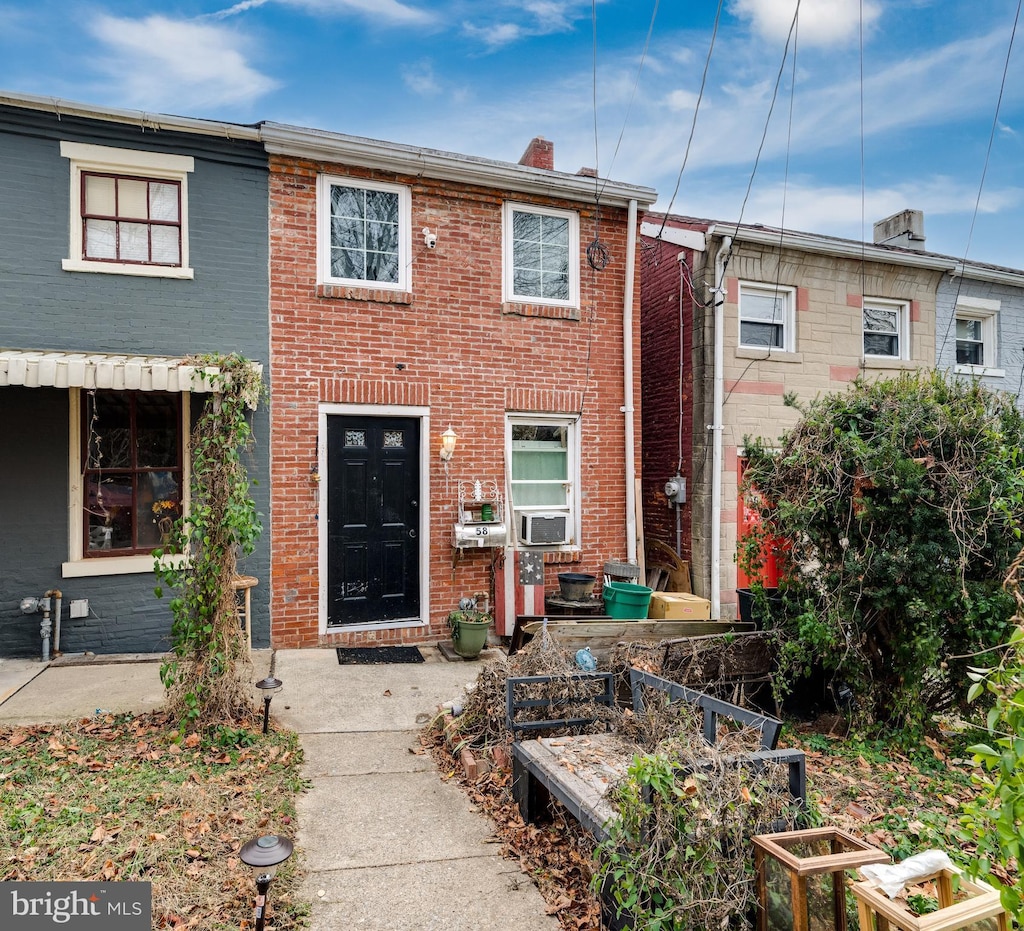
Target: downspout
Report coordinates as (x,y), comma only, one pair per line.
(716,429)
(627,374)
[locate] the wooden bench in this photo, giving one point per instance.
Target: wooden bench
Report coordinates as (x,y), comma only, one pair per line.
(579,769)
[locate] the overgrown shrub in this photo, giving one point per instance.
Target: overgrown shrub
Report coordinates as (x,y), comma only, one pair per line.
(895,510)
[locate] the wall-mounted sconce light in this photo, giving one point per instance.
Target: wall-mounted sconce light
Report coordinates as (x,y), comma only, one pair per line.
(448,440)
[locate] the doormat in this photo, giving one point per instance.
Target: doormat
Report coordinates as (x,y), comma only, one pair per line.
(377,656)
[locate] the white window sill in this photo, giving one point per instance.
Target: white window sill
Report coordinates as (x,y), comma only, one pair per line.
(772,355)
(125,268)
(980,370)
(889,362)
(114,565)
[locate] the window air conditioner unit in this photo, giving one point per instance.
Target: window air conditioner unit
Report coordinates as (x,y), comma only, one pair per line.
(539,529)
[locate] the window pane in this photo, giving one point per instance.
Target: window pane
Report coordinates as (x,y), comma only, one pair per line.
(347,202)
(165,245)
(876,344)
(878,320)
(132,199)
(968,329)
(761,334)
(348,234)
(550,496)
(99,195)
(157,423)
(348,263)
(525,226)
(133,242)
(109,510)
(555,231)
(100,239)
(163,201)
(381,267)
(968,353)
(762,306)
(556,286)
(382,206)
(526,282)
(382,237)
(108,433)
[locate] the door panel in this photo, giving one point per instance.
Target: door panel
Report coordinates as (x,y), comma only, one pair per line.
(372,520)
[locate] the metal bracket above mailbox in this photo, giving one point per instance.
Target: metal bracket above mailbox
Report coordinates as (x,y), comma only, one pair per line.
(481,515)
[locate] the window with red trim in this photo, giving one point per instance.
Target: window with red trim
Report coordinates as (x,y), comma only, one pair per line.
(132,470)
(131,220)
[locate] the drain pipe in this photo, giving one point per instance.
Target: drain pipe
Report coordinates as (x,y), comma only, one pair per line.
(716,429)
(56,595)
(627,366)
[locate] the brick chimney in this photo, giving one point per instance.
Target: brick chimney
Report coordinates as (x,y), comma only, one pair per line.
(539,154)
(905,229)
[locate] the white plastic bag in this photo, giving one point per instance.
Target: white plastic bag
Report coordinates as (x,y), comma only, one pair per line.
(892,877)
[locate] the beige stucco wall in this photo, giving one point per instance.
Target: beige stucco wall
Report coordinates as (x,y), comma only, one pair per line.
(828,354)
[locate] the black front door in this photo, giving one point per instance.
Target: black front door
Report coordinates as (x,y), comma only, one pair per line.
(373,546)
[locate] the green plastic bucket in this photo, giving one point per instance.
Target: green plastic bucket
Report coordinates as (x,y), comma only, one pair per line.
(626,600)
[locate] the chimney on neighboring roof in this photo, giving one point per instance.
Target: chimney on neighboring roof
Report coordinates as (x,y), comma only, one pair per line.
(539,154)
(905,229)
(587,172)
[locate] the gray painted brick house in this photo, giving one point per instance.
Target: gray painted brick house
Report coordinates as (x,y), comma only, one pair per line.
(126,244)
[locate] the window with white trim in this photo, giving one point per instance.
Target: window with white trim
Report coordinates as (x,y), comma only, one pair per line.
(129,211)
(976,349)
(886,329)
(541,255)
(766,314)
(543,457)
(364,233)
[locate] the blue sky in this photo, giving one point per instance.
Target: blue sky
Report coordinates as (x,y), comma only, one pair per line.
(483,78)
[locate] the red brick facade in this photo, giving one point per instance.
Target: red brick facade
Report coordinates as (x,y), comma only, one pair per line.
(449,346)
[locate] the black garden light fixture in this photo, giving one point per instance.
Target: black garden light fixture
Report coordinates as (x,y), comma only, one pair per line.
(268,687)
(264,855)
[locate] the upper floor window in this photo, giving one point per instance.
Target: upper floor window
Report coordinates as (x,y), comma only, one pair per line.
(364,233)
(541,255)
(885,329)
(766,317)
(129,211)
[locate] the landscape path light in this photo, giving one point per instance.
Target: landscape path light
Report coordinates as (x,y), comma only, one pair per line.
(264,855)
(268,687)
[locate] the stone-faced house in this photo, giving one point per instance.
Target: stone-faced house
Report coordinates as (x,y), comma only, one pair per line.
(416,295)
(736,316)
(128,242)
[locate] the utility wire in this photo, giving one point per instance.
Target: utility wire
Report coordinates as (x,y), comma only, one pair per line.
(632,96)
(984,172)
(693,123)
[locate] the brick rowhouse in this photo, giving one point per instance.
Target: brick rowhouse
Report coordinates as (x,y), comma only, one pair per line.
(448,345)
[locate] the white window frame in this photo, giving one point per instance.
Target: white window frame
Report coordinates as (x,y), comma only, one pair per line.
(112,161)
(986,311)
(902,309)
(78,565)
(509,294)
(572,507)
(323,245)
(788,296)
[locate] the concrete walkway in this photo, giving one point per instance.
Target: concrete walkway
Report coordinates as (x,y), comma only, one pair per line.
(388,845)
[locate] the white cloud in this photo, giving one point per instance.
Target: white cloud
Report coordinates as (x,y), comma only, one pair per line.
(177,65)
(822,22)
(523,19)
(391,11)
(421,79)
(681,100)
